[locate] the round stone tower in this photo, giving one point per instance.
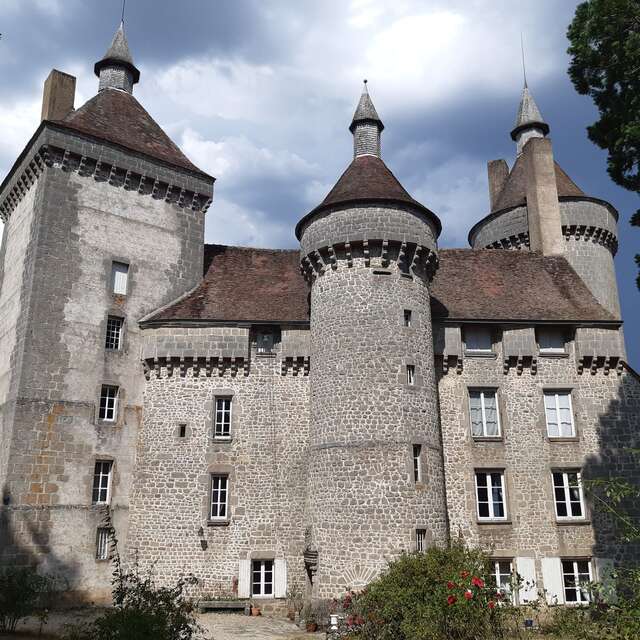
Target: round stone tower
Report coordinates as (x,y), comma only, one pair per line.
(376,481)
(537,206)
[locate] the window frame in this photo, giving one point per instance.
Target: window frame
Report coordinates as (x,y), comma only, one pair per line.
(99,475)
(114,408)
(114,266)
(482,391)
(120,334)
(410,375)
(421,539)
(557,393)
(480,352)
(407,318)
(229,412)
(219,518)
(102,545)
(510,593)
(566,487)
(551,351)
(262,583)
(416,450)
(576,576)
(490,488)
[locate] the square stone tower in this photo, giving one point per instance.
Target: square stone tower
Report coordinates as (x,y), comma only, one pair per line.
(104,222)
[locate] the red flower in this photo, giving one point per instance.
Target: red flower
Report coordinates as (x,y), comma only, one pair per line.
(464,574)
(451,600)
(451,585)
(491,604)
(499,596)
(359,620)
(468,595)
(349,620)
(477,582)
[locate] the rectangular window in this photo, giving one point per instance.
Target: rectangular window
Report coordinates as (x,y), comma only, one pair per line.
(182,431)
(262,578)
(411,374)
(421,540)
(567,492)
(478,339)
(264,342)
(407,317)
(551,340)
(576,576)
(219,497)
(119,278)
(483,411)
(108,403)
(502,573)
(559,414)
(101,493)
(417,462)
(490,495)
(113,340)
(102,543)
(222,426)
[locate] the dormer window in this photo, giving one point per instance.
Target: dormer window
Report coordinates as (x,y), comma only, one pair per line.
(551,341)
(478,339)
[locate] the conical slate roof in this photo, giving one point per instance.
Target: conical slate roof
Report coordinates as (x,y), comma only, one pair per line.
(118,52)
(528,114)
(365,111)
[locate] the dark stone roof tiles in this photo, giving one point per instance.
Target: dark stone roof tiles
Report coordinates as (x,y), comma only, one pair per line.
(116,116)
(265,285)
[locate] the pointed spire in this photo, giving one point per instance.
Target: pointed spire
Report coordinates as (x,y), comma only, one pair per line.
(366,127)
(116,70)
(529,120)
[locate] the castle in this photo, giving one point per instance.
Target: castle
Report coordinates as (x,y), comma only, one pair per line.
(278,421)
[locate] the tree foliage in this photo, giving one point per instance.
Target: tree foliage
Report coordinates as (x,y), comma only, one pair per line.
(605,64)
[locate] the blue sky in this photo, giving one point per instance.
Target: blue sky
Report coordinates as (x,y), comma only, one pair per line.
(260,94)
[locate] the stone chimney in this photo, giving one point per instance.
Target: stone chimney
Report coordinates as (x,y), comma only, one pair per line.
(58,96)
(543,208)
(498,171)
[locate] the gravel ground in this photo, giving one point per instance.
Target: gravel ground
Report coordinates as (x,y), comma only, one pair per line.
(217,626)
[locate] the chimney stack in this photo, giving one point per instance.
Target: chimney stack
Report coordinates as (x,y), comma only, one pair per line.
(498,171)
(58,96)
(543,208)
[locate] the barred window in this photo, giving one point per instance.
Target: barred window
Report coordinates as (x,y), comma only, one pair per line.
(262,578)
(576,576)
(567,491)
(114,333)
(219,497)
(102,543)
(108,403)
(559,414)
(490,495)
(483,410)
(101,493)
(222,422)
(411,374)
(421,540)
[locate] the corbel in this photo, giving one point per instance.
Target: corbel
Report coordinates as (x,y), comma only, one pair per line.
(155,189)
(183,367)
(141,184)
(180,201)
(127,180)
(169,367)
(113,174)
(194,201)
(347,252)
(156,367)
(332,257)
(220,367)
(366,252)
(384,254)
(208,366)
(168,192)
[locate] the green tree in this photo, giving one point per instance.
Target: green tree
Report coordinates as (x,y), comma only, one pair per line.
(605,64)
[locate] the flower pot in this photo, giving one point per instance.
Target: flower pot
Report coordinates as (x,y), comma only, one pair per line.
(255,611)
(312,627)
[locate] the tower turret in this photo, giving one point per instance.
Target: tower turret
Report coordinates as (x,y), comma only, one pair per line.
(529,121)
(116,69)
(375,462)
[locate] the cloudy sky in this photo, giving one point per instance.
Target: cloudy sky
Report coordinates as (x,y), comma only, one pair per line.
(260,94)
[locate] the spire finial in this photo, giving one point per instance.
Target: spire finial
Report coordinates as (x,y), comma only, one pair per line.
(524,68)
(124,5)
(116,69)
(366,126)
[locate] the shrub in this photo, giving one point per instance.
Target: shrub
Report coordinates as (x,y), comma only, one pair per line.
(442,593)
(23,593)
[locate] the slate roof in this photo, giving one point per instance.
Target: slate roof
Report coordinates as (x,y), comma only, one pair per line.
(265,285)
(365,111)
(116,116)
(515,188)
(244,284)
(528,114)
(367,179)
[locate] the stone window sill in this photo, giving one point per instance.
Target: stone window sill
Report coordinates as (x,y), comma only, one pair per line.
(494,522)
(573,523)
(221,440)
(565,440)
(553,355)
(272,354)
(488,439)
(218,523)
(480,354)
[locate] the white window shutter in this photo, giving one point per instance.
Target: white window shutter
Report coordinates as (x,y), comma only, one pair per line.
(526,569)
(552,579)
(280,578)
(605,576)
(244,573)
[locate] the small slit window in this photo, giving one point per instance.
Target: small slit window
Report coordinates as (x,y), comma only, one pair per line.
(407,317)
(421,540)
(411,375)
(102,543)
(182,431)
(417,463)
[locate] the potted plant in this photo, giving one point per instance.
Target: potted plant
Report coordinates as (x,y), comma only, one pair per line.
(255,609)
